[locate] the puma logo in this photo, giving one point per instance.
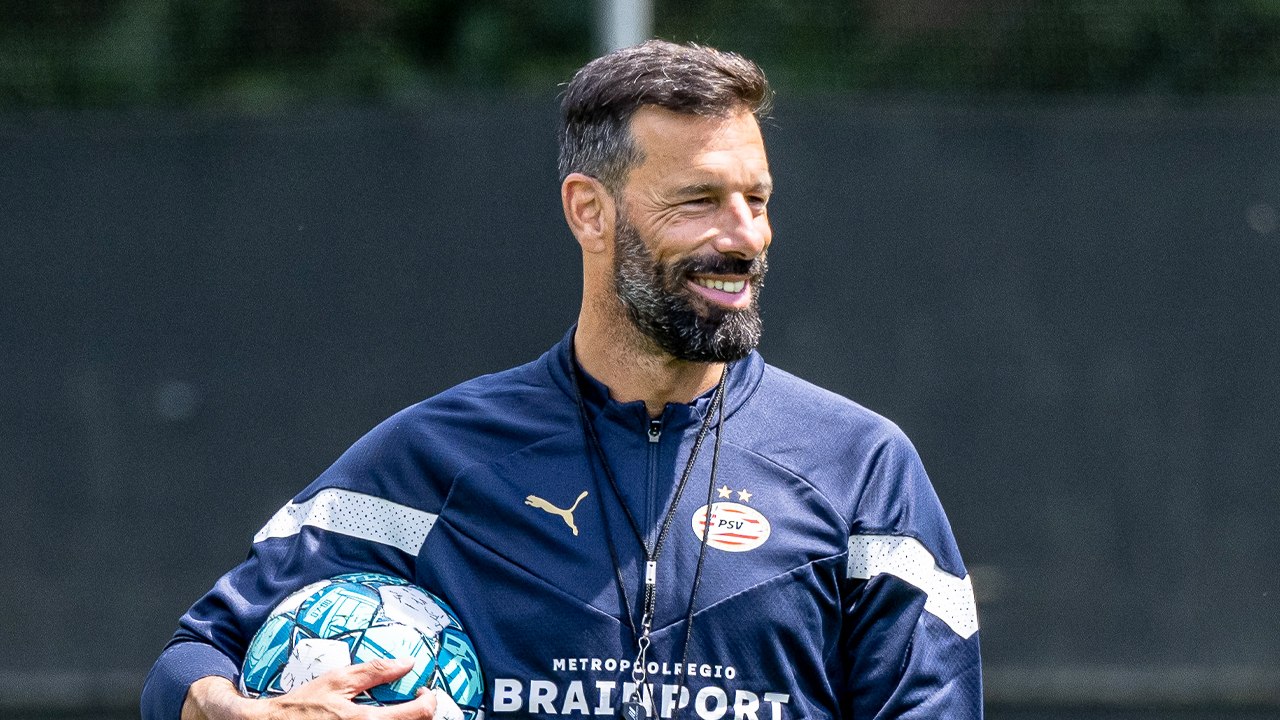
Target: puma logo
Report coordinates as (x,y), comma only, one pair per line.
(566,515)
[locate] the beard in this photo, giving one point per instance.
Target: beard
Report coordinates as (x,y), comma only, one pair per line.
(661,306)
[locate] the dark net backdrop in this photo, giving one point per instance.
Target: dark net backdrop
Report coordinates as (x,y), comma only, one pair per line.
(1068,306)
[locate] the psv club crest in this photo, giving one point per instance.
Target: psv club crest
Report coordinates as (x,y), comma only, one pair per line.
(731,526)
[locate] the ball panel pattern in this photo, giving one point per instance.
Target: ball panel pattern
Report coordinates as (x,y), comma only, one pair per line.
(459,667)
(268,652)
(339,609)
(397,641)
(311,658)
(360,617)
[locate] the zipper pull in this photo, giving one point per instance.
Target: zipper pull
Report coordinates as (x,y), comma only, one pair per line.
(655,430)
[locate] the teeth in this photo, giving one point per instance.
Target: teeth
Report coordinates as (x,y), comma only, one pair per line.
(729,287)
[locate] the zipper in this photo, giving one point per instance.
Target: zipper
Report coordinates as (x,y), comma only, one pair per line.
(654,431)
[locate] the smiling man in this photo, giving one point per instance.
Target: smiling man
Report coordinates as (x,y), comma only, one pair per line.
(648,520)
(673,260)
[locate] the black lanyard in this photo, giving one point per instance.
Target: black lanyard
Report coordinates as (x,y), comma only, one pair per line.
(654,552)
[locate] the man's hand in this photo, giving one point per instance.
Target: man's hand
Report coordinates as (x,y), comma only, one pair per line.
(328,697)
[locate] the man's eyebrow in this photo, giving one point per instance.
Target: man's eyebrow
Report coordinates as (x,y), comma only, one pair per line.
(703,188)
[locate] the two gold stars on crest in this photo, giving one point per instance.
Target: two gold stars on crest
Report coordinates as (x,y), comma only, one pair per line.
(726,493)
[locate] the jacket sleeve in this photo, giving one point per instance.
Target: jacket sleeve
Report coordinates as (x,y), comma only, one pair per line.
(359,515)
(910,630)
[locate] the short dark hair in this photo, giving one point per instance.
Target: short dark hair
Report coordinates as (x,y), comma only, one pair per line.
(595,113)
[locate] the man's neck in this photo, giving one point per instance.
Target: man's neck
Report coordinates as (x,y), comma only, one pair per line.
(634,368)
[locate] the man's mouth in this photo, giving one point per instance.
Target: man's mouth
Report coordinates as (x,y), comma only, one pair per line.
(730,286)
(731,293)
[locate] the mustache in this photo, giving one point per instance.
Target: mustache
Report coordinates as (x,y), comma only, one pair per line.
(724,265)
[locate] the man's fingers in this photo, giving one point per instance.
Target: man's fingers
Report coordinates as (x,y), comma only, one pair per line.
(446,708)
(423,707)
(435,704)
(357,678)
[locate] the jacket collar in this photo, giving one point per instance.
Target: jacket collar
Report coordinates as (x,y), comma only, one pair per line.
(744,376)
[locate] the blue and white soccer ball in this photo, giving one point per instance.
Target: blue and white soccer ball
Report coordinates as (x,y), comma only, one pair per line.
(360,617)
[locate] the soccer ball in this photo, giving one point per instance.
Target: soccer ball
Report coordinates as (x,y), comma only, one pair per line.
(360,617)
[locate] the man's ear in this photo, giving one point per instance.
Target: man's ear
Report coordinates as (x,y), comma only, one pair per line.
(589,210)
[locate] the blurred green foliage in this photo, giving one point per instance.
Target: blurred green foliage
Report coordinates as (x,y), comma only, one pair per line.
(1183,47)
(268,53)
(255,54)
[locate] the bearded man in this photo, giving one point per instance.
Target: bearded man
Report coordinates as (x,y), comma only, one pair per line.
(648,520)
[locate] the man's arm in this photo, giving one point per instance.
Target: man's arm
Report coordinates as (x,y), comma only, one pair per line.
(216,698)
(328,697)
(910,638)
(360,515)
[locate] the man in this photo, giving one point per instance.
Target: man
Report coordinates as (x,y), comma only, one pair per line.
(647,517)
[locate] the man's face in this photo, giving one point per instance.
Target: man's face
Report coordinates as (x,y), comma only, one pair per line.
(659,301)
(691,234)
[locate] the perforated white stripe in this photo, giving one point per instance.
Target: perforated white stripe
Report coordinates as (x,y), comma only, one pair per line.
(356,515)
(949,598)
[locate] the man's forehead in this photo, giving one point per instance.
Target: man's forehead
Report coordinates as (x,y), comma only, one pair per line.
(686,142)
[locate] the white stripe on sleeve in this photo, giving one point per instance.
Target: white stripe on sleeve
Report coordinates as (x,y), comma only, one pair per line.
(356,515)
(949,598)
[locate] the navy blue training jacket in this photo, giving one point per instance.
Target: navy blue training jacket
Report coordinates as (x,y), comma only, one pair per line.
(831,585)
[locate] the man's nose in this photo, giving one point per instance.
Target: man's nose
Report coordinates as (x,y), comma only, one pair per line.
(745,233)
